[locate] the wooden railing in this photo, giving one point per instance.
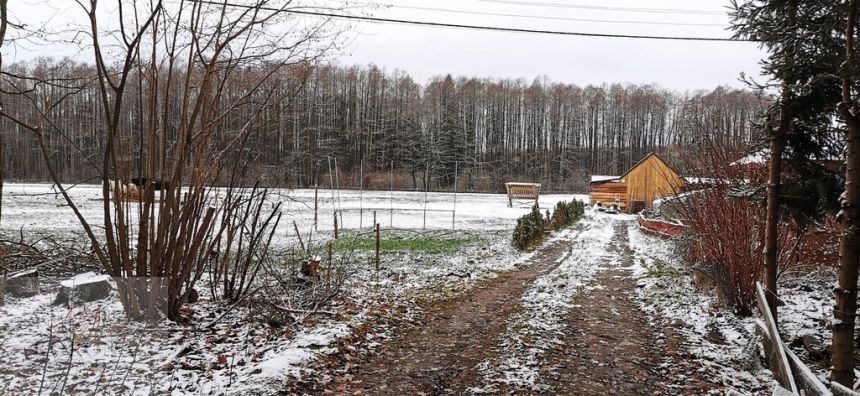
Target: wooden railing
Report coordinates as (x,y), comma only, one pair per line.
(789,371)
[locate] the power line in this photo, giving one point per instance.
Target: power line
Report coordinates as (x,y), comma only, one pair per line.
(556,18)
(608,8)
(471,27)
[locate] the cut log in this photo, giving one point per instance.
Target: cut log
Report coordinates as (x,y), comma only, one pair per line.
(22,284)
(85,287)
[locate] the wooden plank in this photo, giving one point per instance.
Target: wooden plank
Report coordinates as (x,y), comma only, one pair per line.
(620,188)
(779,362)
(841,390)
(806,380)
(608,197)
(31,270)
(610,193)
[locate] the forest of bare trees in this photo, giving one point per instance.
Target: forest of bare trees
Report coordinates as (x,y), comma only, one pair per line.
(490,131)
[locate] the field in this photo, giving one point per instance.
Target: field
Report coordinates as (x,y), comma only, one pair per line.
(90,347)
(38,208)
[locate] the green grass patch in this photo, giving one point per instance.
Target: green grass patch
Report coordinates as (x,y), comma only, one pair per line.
(660,269)
(399,244)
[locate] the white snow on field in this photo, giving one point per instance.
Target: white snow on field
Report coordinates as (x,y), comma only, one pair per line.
(721,341)
(540,325)
(90,348)
(38,207)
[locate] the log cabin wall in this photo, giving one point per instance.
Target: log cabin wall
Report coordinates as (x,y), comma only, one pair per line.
(650,179)
(607,192)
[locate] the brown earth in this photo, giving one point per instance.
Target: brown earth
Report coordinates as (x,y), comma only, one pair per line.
(609,348)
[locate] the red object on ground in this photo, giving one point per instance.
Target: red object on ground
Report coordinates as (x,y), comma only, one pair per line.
(661,228)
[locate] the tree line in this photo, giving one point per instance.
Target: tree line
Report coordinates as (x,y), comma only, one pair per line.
(371,122)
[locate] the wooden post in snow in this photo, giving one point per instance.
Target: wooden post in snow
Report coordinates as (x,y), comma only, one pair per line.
(377,246)
(335,224)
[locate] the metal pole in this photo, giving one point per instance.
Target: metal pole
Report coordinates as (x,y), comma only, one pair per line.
(391,199)
(454,209)
(424,225)
(316,206)
(331,186)
(337,185)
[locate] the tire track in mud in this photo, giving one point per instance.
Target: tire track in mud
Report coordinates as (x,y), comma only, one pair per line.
(611,348)
(606,344)
(441,355)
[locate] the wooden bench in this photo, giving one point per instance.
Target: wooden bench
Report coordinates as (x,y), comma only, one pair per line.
(522,191)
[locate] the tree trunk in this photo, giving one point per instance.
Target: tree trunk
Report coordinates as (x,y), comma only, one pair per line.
(771,246)
(4,22)
(844,313)
(2,172)
(774,180)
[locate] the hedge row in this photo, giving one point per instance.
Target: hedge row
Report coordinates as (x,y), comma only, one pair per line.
(531,228)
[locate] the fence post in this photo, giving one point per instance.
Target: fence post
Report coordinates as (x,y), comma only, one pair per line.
(424,224)
(335,224)
(374,217)
(337,185)
(377,246)
(454,208)
(391,199)
(316,206)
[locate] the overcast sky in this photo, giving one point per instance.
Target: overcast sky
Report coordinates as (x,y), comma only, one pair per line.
(424,52)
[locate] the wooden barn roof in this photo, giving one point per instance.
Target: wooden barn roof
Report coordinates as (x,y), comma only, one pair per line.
(646,158)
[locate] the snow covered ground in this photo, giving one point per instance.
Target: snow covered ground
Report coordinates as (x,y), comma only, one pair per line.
(37,207)
(693,322)
(725,343)
(90,348)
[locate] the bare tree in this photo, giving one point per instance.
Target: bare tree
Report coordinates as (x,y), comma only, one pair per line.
(202,74)
(365,115)
(4,22)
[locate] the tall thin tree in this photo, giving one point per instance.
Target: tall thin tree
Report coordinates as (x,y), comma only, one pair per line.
(845,310)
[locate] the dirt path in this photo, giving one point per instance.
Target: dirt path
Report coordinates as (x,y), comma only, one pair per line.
(610,347)
(441,356)
(607,347)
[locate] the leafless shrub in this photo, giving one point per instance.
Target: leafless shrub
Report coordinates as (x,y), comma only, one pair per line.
(247,236)
(181,89)
(290,295)
(727,228)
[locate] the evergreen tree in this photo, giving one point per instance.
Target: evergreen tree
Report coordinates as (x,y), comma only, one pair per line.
(803,59)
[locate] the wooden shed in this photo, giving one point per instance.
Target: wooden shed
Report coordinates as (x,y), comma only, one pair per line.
(650,179)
